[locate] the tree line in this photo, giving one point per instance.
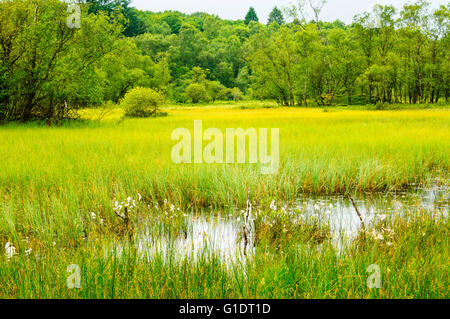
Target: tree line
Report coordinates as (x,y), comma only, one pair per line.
(48,70)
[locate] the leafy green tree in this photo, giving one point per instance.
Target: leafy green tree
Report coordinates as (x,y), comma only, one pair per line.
(216,91)
(156,44)
(174,21)
(237,94)
(161,76)
(211,27)
(142,102)
(365,32)
(224,73)
(348,59)
(385,40)
(133,25)
(108,6)
(276,16)
(125,69)
(40,53)
(316,71)
(196,93)
(272,58)
(191,44)
(243,79)
(198,75)
(251,16)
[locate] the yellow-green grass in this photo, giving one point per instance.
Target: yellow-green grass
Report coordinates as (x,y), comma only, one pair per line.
(51,178)
(74,169)
(80,167)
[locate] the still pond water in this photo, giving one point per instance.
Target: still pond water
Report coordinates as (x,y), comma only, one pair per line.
(220,234)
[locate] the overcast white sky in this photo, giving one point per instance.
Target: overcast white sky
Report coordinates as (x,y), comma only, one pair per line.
(236,9)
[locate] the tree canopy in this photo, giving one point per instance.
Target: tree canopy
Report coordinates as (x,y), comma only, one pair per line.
(388,55)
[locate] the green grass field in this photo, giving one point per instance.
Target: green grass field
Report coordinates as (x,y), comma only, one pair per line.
(52,178)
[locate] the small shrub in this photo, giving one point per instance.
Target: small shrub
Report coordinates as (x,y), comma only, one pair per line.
(217,91)
(237,94)
(196,93)
(104,110)
(142,102)
(381,106)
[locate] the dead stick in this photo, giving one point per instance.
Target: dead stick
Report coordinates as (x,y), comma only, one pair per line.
(246,220)
(120,216)
(357,212)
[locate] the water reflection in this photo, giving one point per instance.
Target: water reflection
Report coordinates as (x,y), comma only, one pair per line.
(220,236)
(204,237)
(345,224)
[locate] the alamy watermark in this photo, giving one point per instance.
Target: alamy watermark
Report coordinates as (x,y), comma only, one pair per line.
(74,279)
(74,19)
(374,279)
(236,147)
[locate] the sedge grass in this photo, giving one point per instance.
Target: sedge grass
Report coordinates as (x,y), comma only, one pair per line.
(413,264)
(52,178)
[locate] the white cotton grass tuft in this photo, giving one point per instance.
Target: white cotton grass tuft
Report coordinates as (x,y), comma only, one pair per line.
(379,237)
(273,206)
(10,250)
(125,207)
(382,235)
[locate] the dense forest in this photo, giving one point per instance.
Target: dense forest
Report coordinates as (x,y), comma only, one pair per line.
(48,70)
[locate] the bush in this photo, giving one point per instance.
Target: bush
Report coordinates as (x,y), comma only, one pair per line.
(196,93)
(142,102)
(217,91)
(380,106)
(237,94)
